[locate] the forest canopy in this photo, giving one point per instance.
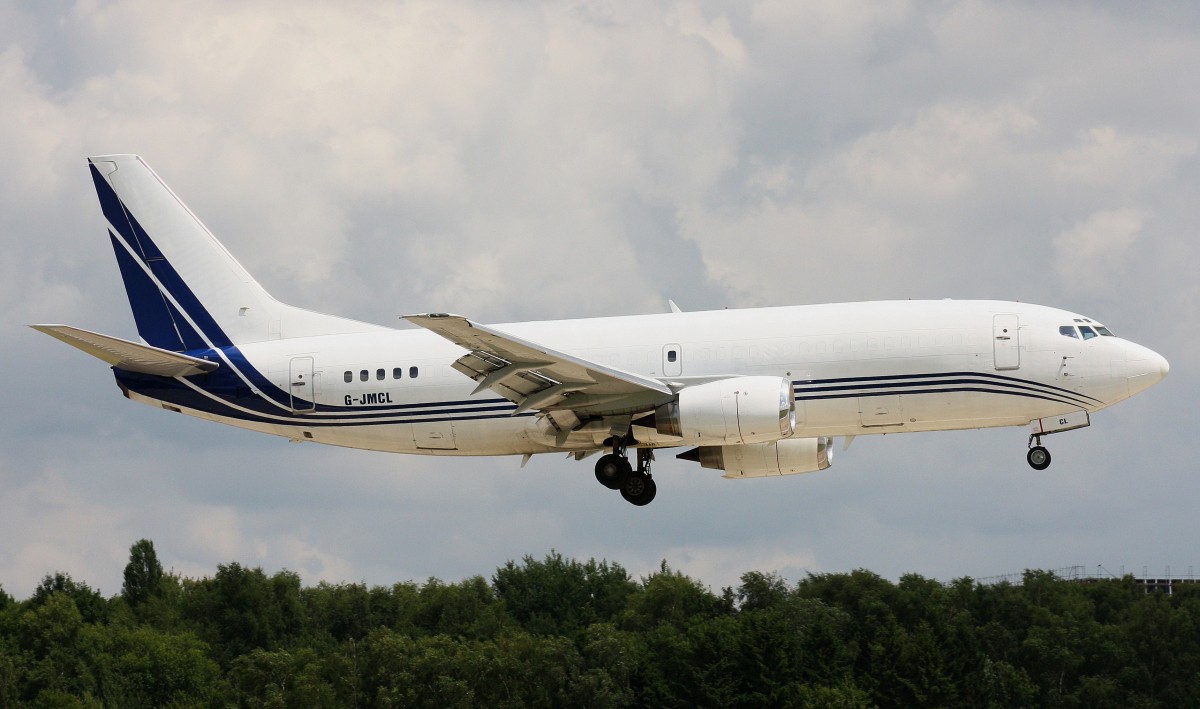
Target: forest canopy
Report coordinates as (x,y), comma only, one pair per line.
(561,632)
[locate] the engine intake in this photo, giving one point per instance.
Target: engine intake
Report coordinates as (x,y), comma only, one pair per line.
(738,410)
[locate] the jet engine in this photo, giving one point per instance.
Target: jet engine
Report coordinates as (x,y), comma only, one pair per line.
(758,460)
(737,410)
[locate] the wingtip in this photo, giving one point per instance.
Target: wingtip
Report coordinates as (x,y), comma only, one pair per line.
(52,329)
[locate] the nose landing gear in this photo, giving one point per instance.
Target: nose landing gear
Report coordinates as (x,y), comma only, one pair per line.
(1038,457)
(615,473)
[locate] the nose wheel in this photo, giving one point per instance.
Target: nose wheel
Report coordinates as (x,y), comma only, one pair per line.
(1038,457)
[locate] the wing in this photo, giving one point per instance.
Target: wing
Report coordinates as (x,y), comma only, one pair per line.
(130,356)
(535,377)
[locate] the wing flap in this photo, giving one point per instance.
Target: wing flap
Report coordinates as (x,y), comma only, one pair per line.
(536,377)
(130,356)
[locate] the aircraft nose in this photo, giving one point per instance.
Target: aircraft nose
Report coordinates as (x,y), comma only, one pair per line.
(1146,368)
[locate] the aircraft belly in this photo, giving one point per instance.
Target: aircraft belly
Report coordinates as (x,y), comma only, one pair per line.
(499,436)
(390,437)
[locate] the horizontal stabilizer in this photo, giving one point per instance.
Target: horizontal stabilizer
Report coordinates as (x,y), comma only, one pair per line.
(130,356)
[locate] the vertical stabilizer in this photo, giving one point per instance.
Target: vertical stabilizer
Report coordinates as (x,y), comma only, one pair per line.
(186,290)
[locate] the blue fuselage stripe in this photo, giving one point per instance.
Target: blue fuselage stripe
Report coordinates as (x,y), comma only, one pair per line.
(998,379)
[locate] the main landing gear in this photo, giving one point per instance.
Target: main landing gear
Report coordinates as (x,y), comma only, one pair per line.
(615,473)
(1038,456)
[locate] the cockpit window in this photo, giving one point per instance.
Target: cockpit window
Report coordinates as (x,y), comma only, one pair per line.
(1088,333)
(1104,331)
(1069,331)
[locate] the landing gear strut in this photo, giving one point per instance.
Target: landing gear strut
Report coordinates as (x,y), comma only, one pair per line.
(1038,456)
(639,488)
(615,473)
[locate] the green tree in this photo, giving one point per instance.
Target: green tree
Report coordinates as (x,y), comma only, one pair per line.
(12,675)
(759,591)
(62,650)
(668,596)
(1161,633)
(92,607)
(610,658)
(467,609)
(241,609)
(281,678)
(342,611)
(147,668)
(402,671)
(143,574)
(558,596)
(519,669)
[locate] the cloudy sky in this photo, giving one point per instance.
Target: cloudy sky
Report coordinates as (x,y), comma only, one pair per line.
(524,160)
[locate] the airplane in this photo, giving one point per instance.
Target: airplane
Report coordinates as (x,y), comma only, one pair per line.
(751,392)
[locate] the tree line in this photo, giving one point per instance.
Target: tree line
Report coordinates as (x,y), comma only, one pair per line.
(560,632)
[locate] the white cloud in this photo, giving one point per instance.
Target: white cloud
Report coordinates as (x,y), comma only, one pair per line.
(885,205)
(1114,161)
(56,529)
(1090,257)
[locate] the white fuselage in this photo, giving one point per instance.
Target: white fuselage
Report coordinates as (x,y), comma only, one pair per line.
(857,368)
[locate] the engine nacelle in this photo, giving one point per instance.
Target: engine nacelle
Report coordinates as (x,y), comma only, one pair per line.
(757,460)
(737,410)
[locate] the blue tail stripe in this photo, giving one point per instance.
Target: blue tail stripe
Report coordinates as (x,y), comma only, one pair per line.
(148,308)
(151,311)
(156,323)
(110,204)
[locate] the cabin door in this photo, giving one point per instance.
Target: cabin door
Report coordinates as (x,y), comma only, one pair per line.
(1006,342)
(302,385)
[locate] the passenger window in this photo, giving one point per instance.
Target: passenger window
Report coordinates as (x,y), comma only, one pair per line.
(672,355)
(380,374)
(1088,333)
(349,376)
(397,372)
(412,372)
(1069,331)
(364,375)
